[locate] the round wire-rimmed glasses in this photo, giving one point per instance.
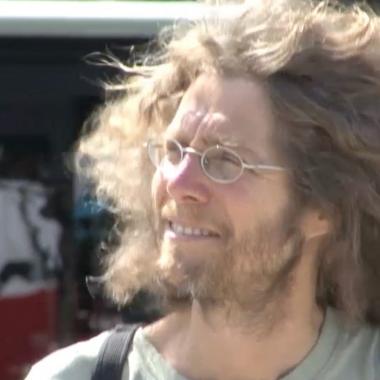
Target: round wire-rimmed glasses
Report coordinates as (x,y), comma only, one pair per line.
(219,163)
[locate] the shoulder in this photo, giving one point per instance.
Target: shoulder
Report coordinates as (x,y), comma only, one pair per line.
(75,362)
(363,340)
(359,349)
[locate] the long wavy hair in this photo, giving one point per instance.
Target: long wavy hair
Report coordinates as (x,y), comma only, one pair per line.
(320,64)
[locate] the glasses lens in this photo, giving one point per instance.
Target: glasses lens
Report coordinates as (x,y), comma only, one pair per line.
(221,164)
(164,152)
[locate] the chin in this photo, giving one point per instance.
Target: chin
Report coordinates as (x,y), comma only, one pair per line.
(180,268)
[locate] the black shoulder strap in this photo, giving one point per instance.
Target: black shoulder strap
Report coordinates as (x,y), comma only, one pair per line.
(113,353)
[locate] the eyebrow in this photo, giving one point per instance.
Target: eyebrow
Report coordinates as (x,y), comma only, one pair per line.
(211,139)
(228,142)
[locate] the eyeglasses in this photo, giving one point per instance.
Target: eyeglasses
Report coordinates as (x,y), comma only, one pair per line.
(219,163)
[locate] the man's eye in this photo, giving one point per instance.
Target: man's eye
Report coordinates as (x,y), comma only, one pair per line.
(230,158)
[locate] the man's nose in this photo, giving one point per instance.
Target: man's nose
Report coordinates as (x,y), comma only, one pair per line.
(186,181)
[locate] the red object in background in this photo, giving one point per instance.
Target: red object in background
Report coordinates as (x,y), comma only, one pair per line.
(27,331)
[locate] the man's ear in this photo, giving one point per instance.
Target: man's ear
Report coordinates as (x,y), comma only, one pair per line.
(315,223)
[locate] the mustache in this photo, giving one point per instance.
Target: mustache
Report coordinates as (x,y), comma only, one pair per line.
(188,212)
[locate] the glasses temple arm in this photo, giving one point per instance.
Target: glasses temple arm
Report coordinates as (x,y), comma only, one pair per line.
(264,167)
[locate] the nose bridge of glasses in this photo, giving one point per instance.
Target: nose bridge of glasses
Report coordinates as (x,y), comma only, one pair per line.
(182,170)
(190,150)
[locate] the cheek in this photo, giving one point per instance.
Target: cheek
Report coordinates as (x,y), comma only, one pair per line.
(250,205)
(239,205)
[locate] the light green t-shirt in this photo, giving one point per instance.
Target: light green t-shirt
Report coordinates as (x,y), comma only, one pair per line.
(340,354)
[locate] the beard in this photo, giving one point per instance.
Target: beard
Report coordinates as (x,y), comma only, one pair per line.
(242,277)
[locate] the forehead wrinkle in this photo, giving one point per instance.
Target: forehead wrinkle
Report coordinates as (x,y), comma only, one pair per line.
(212,136)
(191,118)
(209,135)
(188,121)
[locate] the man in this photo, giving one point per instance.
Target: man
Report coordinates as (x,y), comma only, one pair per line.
(258,224)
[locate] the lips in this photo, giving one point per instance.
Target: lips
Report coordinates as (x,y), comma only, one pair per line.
(184,229)
(189,231)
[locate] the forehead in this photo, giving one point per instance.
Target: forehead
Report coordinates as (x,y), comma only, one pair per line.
(231,111)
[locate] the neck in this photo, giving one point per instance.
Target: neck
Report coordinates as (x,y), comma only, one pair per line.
(198,340)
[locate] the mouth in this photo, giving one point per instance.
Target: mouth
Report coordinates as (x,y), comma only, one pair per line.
(180,230)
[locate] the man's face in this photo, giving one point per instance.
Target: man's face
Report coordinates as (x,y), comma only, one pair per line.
(220,241)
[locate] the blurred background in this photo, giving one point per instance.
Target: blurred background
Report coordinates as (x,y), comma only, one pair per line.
(51,229)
